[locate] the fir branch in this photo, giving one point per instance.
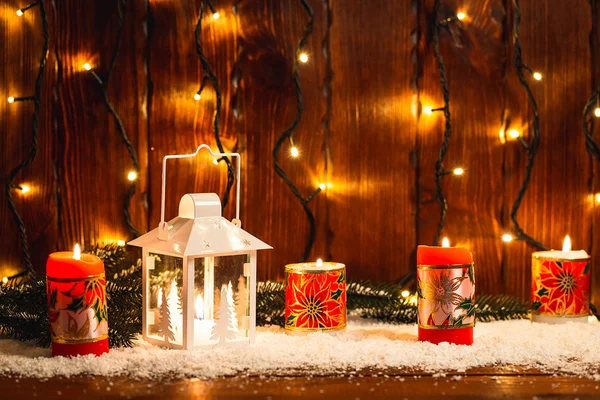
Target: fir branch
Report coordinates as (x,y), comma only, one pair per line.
(270,303)
(499,307)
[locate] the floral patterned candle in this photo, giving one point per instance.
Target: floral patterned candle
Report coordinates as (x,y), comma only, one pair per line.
(315,297)
(446,294)
(75,286)
(560,285)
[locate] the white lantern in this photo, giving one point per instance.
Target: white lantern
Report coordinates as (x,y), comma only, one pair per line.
(199,273)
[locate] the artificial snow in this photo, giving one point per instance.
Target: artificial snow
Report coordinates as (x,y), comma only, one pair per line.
(567,349)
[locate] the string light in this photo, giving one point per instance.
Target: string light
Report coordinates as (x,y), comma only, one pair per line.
(597,112)
(303,58)
(461,16)
(458,171)
(537,76)
(216,15)
(87,66)
(20,12)
(405,293)
(25,189)
(5,280)
(513,133)
(322,186)
(132,176)
(427,110)
(197,96)
(597,197)
(120,243)
(11,99)
(294,151)
(215,161)
(507,238)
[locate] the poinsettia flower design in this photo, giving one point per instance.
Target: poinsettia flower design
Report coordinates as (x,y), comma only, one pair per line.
(441,291)
(562,288)
(315,301)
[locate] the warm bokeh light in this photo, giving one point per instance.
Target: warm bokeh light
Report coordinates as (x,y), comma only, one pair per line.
(132,176)
(20,12)
(120,243)
(5,280)
(87,66)
(597,197)
(77,252)
(427,110)
(458,171)
(537,76)
(514,134)
(322,186)
(197,96)
(461,16)
(445,242)
(507,238)
(25,189)
(216,15)
(294,151)
(11,99)
(215,161)
(303,57)
(597,112)
(405,293)
(567,244)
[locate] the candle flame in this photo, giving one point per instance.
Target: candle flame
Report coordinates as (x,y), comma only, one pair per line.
(77,252)
(445,242)
(199,307)
(319,263)
(567,244)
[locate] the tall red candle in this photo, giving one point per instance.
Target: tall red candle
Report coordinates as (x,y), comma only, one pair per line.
(76,290)
(446,294)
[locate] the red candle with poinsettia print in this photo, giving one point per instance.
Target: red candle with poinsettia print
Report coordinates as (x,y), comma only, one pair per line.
(315,297)
(446,294)
(76,290)
(560,285)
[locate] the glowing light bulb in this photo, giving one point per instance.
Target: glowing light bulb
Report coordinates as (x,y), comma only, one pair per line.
(507,238)
(427,110)
(597,197)
(461,16)
(322,186)
(445,242)
(294,151)
(458,171)
(25,189)
(319,263)
(120,243)
(405,293)
(197,96)
(303,57)
(11,99)
(215,161)
(597,112)
(537,76)
(513,133)
(87,66)
(132,176)
(5,280)
(216,15)
(77,252)
(20,12)
(567,244)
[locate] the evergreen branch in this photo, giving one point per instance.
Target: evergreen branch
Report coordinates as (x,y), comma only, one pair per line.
(499,307)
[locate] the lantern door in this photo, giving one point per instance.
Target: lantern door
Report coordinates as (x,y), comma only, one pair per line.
(163,299)
(222,300)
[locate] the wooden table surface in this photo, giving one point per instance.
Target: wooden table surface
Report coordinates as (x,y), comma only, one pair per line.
(481,383)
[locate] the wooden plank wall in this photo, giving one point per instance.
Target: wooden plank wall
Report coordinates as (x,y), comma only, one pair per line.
(382,148)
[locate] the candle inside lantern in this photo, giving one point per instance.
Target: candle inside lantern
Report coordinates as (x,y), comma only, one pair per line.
(560,285)
(315,297)
(202,327)
(446,294)
(76,291)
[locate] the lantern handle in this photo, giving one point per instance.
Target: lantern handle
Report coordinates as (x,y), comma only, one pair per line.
(163,224)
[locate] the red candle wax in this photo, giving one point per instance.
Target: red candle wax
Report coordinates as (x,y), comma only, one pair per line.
(76,290)
(446,294)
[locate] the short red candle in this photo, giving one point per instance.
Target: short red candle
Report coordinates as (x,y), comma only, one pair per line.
(446,294)
(76,290)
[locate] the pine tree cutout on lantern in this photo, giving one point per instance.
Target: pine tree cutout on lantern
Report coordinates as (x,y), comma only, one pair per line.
(184,263)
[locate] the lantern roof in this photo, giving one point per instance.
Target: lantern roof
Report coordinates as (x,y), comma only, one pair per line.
(200,230)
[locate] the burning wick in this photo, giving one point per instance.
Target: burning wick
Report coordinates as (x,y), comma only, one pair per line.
(445,242)
(319,263)
(77,252)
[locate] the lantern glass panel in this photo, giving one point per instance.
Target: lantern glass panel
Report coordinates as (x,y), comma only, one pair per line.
(165,288)
(221,299)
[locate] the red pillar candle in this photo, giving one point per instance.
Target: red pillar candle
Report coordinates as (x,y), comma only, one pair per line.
(76,290)
(446,294)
